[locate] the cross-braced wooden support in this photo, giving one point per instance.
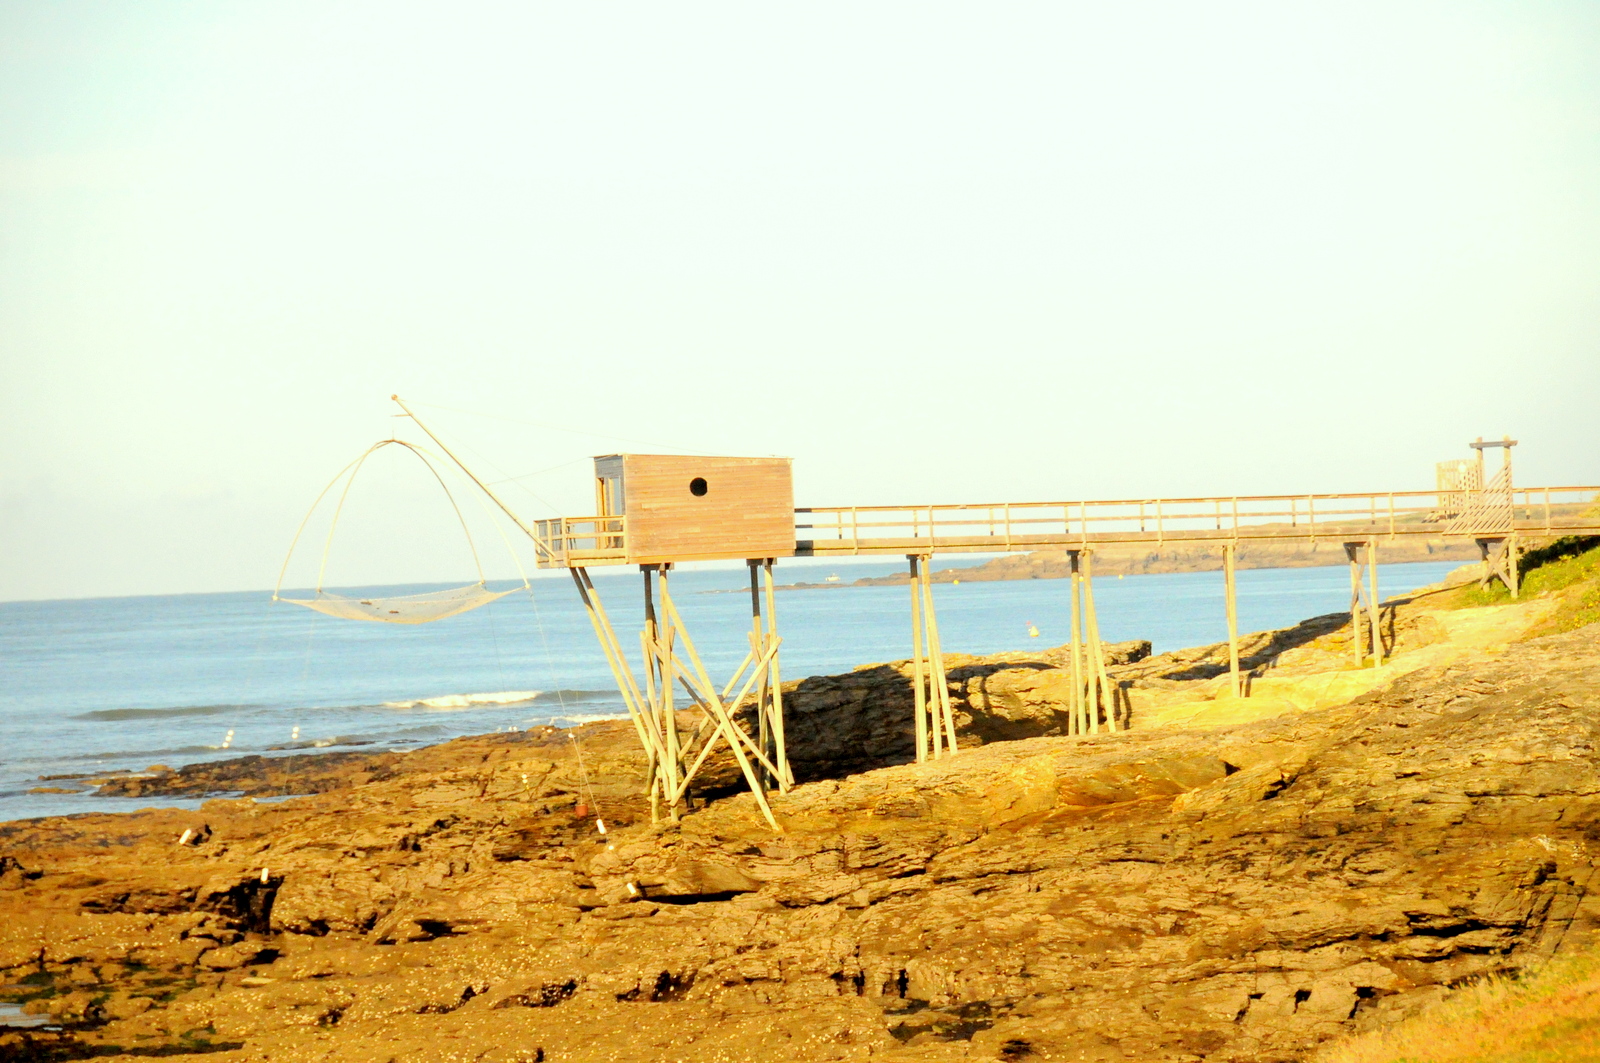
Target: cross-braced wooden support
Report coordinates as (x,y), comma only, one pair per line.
(1364,552)
(1092,696)
(769,687)
(935,721)
(1500,562)
(1493,517)
(671,661)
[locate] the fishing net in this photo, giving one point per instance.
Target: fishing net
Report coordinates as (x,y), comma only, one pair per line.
(396,609)
(405,608)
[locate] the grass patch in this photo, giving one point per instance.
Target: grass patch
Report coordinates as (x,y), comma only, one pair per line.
(1551,1015)
(1558,566)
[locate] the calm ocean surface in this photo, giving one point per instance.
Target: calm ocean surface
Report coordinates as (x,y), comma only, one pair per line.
(100,684)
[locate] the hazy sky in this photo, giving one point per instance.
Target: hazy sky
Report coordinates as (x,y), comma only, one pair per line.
(932,252)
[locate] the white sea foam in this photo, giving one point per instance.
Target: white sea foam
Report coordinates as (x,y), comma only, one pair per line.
(467,701)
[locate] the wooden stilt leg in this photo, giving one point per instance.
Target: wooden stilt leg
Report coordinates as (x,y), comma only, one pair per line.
(658,634)
(1373,607)
(658,771)
(1074,646)
(935,735)
(1097,655)
(1100,665)
(1090,647)
(1230,591)
(757,641)
(661,776)
(775,687)
(652,684)
(656,786)
(669,712)
(1091,639)
(1513,575)
(1352,551)
(942,718)
(931,645)
(920,707)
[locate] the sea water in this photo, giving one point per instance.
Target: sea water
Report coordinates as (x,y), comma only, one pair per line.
(124,683)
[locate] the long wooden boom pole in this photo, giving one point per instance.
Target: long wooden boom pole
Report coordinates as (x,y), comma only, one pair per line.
(496,499)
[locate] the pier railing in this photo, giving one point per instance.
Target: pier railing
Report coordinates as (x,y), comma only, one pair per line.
(564,541)
(1003,526)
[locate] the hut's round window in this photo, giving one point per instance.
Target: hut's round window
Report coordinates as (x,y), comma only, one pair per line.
(697,486)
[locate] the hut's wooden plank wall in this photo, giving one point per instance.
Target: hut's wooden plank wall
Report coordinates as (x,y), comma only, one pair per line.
(746,510)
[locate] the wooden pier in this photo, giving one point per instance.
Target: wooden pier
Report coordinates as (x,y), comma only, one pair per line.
(656,510)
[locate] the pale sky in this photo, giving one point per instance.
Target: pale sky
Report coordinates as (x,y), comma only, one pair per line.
(934,253)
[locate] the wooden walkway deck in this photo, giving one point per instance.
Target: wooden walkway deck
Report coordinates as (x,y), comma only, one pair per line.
(999,527)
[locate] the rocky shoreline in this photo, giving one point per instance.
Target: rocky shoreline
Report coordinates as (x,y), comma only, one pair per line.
(1234,879)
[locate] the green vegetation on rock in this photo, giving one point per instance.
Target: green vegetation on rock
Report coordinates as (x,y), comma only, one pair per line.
(1569,567)
(1548,1015)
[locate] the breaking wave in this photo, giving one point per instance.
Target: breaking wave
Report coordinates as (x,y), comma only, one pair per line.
(162,714)
(500,698)
(592,718)
(467,701)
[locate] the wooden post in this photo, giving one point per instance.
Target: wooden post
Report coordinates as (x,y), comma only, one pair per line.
(1513,576)
(1076,704)
(1106,688)
(1353,552)
(1231,593)
(1091,638)
(658,764)
(757,645)
(1373,608)
(660,637)
(917,696)
(775,686)
(1097,651)
(935,734)
(668,645)
(939,700)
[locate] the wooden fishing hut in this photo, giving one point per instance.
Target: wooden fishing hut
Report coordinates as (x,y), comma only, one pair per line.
(661,508)
(653,510)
